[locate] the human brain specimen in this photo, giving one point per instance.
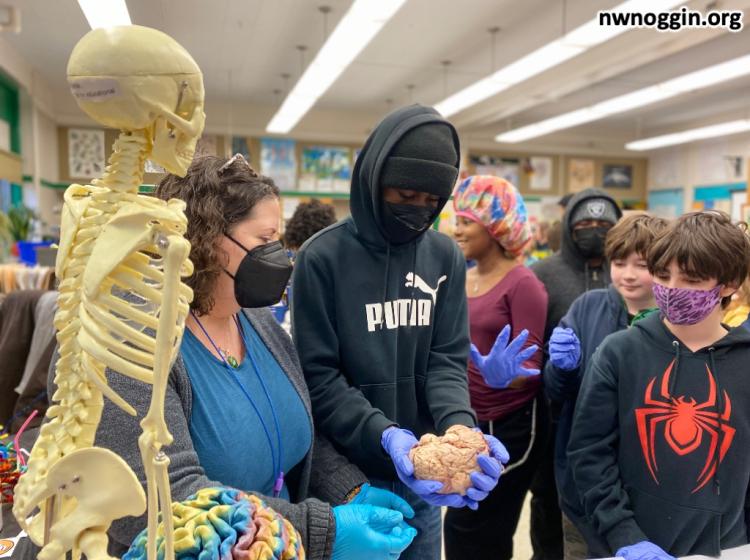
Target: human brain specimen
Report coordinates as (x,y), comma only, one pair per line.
(449,459)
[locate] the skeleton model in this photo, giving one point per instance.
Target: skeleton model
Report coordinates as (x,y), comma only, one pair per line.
(121,304)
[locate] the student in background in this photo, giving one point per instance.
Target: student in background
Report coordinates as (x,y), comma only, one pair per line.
(308,219)
(658,448)
(506,301)
(578,267)
(592,317)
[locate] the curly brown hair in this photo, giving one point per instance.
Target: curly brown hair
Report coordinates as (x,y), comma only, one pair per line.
(308,219)
(218,193)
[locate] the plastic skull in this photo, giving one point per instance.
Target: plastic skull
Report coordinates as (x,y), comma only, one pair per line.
(138,78)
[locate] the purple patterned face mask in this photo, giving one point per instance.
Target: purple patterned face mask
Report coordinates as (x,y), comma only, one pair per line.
(686,306)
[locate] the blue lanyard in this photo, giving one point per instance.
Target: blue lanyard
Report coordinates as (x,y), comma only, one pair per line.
(278,473)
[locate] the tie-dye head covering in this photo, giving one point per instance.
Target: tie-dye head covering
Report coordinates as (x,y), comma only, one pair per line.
(225,524)
(497,205)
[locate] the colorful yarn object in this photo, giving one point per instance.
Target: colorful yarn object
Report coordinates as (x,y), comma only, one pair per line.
(12,466)
(225,524)
(497,205)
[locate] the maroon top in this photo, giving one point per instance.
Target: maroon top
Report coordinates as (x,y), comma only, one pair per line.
(519,299)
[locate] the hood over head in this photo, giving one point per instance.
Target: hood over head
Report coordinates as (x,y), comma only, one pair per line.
(412,148)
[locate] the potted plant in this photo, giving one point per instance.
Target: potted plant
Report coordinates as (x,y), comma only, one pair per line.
(21,219)
(6,236)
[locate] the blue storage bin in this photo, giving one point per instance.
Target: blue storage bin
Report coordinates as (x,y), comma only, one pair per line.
(27,250)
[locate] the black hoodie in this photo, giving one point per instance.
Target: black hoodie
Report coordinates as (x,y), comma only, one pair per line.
(381,330)
(566,274)
(659,445)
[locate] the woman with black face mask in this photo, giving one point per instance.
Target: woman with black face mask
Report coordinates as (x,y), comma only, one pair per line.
(237,404)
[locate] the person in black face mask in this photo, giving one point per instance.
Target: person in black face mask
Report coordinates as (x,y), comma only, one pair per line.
(236,403)
(578,267)
(379,317)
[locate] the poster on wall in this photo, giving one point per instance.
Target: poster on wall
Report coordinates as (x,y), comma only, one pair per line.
(507,168)
(278,161)
(325,169)
(580,174)
(617,176)
(667,203)
(540,178)
(85,153)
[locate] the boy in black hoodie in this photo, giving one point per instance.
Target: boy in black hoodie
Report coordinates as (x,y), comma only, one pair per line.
(379,318)
(578,267)
(658,448)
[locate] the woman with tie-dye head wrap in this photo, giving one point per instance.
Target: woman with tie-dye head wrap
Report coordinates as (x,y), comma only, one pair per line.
(507,310)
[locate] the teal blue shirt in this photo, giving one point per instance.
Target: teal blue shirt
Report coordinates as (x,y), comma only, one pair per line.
(227,432)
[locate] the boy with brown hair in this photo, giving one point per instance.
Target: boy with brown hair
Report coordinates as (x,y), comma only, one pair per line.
(658,448)
(592,317)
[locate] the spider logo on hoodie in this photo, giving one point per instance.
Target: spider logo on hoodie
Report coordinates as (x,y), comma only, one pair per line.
(684,423)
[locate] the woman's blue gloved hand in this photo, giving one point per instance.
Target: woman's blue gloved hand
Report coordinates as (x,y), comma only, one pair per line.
(564,349)
(382,498)
(644,550)
(365,532)
(505,361)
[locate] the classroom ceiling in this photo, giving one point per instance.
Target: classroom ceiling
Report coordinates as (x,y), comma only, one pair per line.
(245,46)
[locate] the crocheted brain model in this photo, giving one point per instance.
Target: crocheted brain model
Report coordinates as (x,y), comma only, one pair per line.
(226,524)
(449,459)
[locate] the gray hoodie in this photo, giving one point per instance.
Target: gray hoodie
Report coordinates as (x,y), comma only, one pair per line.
(567,274)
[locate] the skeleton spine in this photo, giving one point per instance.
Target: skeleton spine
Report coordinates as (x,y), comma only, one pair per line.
(77,404)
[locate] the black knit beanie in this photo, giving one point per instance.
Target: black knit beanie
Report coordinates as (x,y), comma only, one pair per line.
(424,159)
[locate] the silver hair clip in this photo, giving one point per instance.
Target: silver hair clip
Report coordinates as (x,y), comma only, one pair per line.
(232,160)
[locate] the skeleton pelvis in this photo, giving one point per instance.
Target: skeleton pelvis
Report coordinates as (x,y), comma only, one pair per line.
(94,487)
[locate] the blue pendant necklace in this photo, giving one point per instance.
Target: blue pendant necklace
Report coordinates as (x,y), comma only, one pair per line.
(231,364)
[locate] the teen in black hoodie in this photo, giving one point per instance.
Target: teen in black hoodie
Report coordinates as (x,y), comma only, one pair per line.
(379,313)
(658,448)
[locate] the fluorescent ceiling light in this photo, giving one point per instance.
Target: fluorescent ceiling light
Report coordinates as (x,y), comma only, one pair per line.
(356,29)
(693,81)
(105,13)
(723,129)
(552,54)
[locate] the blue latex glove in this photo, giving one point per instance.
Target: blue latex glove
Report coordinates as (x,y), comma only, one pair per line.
(504,362)
(484,482)
(382,498)
(644,550)
(366,532)
(564,349)
(397,442)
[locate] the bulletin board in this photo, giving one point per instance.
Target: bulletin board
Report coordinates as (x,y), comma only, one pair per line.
(666,203)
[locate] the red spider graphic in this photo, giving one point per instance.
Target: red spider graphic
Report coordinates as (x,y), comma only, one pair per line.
(684,425)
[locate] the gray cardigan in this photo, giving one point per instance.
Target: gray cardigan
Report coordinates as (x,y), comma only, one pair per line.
(323,473)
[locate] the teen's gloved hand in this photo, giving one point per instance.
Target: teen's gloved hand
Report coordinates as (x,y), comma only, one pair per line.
(505,361)
(564,349)
(382,498)
(366,532)
(643,550)
(492,466)
(397,442)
